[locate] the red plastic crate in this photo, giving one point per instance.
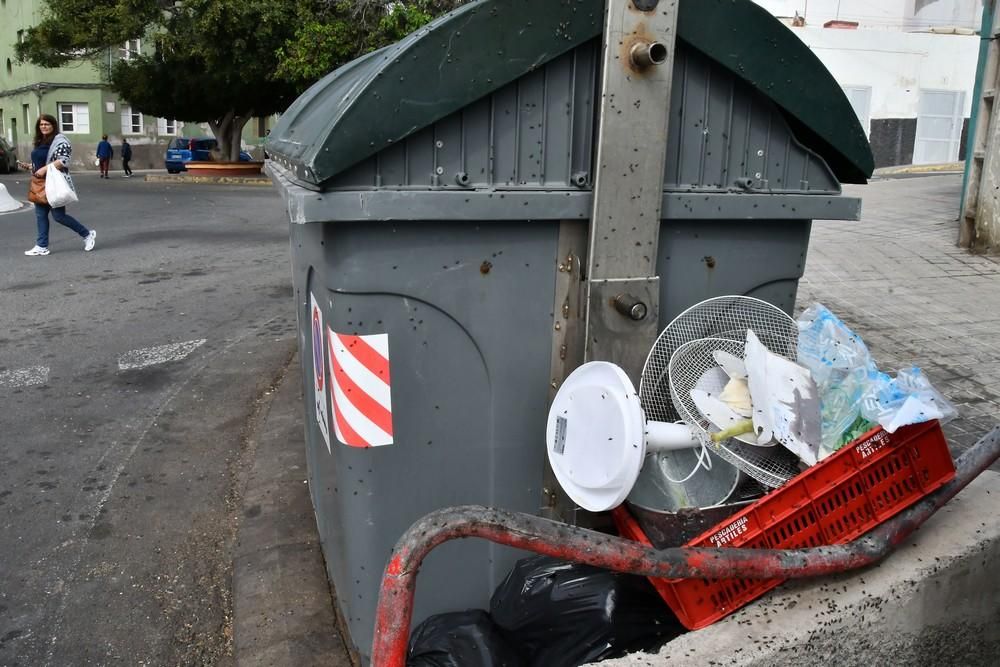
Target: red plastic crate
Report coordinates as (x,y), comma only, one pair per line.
(833,502)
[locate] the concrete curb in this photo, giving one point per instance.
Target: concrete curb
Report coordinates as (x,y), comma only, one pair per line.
(282,604)
(932,602)
(944,167)
(207,180)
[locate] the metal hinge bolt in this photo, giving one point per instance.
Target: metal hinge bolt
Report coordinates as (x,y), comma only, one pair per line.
(630,307)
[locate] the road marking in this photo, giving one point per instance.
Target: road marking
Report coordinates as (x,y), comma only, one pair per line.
(161,354)
(24,377)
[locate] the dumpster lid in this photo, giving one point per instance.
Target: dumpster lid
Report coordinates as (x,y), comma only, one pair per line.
(384,96)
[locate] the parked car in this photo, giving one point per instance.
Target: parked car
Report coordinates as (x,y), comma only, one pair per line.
(8,157)
(184,149)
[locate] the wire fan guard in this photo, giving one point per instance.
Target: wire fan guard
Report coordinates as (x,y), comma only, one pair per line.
(693,366)
(721,317)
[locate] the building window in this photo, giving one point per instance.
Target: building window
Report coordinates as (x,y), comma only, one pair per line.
(166,127)
(131,121)
(24,116)
(129,50)
(74,118)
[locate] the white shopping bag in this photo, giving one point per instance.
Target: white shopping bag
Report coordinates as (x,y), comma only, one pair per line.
(57,188)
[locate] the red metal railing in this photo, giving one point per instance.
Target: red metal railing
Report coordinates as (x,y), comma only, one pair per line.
(542,536)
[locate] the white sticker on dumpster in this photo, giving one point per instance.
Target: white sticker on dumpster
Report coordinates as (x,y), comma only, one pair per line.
(320,379)
(360,386)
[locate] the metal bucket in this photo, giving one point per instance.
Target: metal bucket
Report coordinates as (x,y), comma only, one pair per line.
(673,513)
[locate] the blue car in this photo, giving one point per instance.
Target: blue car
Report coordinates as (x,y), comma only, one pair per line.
(184,149)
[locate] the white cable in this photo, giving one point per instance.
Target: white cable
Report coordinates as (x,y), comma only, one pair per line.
(704,461)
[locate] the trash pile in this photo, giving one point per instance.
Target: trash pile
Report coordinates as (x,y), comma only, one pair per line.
(736,401)
(731,383)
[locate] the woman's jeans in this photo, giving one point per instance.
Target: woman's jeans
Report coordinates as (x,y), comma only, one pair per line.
(60,216)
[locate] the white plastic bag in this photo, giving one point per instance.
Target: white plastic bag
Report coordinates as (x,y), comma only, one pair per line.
(57,188)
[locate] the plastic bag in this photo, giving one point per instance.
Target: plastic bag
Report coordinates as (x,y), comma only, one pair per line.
(462,639)
(58,190)
(907,399)
(853,392)
(560,614)
(840,364)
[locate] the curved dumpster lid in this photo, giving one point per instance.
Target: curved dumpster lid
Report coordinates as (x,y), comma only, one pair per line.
(384,96)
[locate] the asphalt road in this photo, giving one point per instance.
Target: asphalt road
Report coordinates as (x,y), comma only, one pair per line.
(130,380)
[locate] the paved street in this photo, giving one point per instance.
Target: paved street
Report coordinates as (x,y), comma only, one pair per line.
(131,380)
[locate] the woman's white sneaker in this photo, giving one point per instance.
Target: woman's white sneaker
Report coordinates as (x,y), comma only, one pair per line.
(38,251)
(89,241)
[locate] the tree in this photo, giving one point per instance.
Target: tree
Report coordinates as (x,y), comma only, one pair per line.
(221,61)
(341,30)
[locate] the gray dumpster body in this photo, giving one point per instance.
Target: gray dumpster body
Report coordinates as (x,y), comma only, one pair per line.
(429,224)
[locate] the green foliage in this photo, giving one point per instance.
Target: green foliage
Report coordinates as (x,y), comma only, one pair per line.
(334,33)
(209,57)
(212,57)
(221,61)
(74,29)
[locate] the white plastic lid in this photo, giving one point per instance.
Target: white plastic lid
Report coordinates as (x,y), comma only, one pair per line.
(595,436)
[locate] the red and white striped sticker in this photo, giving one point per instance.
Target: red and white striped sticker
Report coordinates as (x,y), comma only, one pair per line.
(362,403)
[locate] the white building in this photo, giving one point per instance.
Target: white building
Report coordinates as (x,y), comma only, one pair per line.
(892,15)
(908,67)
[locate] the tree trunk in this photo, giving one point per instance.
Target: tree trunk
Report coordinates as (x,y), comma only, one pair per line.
(228,131)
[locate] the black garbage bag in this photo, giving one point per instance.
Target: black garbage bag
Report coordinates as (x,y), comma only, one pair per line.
(461,639)
(559,614)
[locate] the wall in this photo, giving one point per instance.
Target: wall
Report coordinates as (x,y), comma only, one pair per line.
(929,14)
(884,14)
(896,66)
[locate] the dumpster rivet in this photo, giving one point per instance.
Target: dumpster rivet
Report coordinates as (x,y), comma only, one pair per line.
(485,267)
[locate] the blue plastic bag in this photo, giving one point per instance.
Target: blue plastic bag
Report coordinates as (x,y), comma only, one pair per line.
(852,388)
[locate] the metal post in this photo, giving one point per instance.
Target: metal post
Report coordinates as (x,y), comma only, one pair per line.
(623,288)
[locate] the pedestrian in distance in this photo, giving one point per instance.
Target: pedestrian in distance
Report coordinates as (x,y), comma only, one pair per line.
(53,151)
(126,156)
(104,153)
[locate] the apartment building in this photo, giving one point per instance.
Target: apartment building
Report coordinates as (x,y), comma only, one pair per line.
(908,67)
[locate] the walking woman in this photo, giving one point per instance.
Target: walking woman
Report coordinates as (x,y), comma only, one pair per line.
(53,151)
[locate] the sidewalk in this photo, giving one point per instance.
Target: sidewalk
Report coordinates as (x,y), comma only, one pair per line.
(898,279)
(915,298)
(282,604)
